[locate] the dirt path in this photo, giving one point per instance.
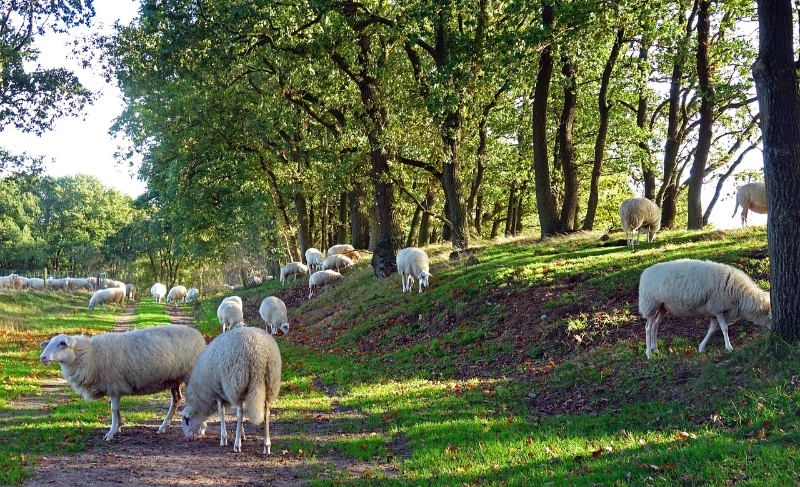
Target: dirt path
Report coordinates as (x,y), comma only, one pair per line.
(139,457)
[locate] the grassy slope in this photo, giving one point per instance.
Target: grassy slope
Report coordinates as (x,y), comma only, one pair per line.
(526,368)
(529,367)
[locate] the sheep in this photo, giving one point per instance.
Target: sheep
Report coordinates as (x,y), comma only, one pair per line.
(130,292)
(321,278)
(338,262)
(240,368)
(7,282)
(636,214)
(236,299)
(751,196)
(159,291)
(340,249)
(230,314)
(314,259)
(36,283)
(293,269)
(104,297)
(83,284)
(192,295)
(691,288)
(273,312)
(56,284)
(112,283)
(412,263)
(353,255)
(177,293)
(21,282)
(132,363)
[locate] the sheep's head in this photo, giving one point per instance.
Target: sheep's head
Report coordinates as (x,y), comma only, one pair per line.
(423,280)
(193,423)
(58,349)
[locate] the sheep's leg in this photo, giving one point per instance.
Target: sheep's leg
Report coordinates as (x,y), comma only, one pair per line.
(651,332)
(173,407)
(711,328)
(116,419)
(744,216)
(223,434)
(237,442)
(267,441)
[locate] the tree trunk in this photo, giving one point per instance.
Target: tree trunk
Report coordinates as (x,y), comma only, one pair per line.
(326,243)
(510,207)
(545,200)
(603,110)
(779,104)
(414,228)
(667,198)
(446,230)
(374,227)
(425,226)
(341,230)
(303,232)
(359,238)
(706,118)
(569,169)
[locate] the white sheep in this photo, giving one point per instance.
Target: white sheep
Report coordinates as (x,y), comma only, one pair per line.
(83,284)
(177,293)
(159,291)
(337,262)
(322,278)
(7,282)
(36,283)
(113,283)
(637,214)
(314,259)
(691,288)
(59,284)
(130,292)
(192,295)
(236,299)
(340,249)
(293,269)
(230,313)
(751,197)
(412,263)
(131,363)
(105,297)
(273,312)
(241,368)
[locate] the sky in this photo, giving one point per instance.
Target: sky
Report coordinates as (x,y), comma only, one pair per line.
(83,145)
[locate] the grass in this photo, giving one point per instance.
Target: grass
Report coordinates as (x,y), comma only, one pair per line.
(527,368)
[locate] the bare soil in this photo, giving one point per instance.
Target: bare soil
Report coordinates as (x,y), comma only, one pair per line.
(139,457)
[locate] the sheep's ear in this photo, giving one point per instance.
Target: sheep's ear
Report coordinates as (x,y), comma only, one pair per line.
(44,343)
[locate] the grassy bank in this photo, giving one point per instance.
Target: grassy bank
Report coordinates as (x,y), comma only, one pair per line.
(524,367)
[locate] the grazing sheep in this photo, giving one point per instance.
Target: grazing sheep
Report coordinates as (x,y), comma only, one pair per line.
(131,363)
(192,295)
(337,262)
(691,288)
(83,284)
(322,278)
(412,263)
(36,284)
(230,314)
(236,299)
(314,259)
(59,284)
(105,297)
(751,197)
(241,368)
(340,249)
(112,283)
(293,269)
(353,255)
(273,312)
(177,293)
(159,291)
(636,214)
(130,292)
(7,282)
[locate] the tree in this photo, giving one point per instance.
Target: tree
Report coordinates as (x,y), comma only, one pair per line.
(32,98)
(779,101)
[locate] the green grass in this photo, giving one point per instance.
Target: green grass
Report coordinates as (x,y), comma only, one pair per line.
(465,384)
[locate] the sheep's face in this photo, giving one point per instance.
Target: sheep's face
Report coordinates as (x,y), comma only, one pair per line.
(58,349)
(193,424)
(765,320)
(423,279)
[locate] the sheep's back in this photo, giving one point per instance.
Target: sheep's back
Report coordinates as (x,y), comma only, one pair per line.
(412,260)
(137,362)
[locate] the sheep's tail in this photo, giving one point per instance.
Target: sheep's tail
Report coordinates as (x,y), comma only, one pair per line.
(735,208)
